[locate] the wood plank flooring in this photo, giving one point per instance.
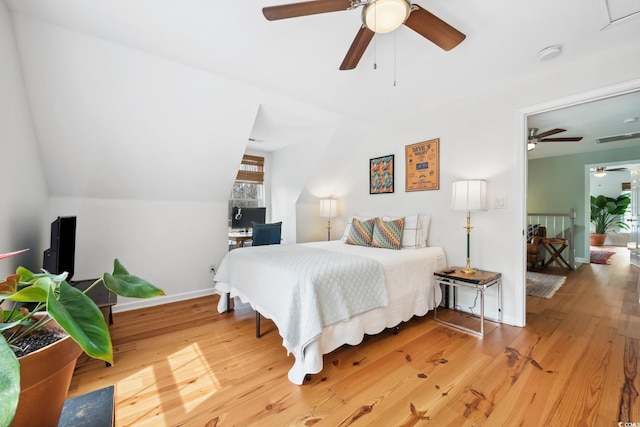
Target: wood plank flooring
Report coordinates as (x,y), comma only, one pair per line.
(576,363)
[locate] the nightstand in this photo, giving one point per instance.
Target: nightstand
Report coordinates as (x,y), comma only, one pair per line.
(480,281)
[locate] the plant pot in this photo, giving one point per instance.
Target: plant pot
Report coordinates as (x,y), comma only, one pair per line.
(45,376)
(597,239)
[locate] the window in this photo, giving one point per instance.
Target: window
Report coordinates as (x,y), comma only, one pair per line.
(248,189)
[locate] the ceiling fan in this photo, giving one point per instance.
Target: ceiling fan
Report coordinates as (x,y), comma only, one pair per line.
(602,171)
(378,16)
(535,137)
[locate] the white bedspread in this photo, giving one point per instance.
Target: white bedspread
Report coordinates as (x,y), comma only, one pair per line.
(314,287)
(408,276)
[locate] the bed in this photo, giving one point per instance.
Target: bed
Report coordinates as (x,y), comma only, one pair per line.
(281,282)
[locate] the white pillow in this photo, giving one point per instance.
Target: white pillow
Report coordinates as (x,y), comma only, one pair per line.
(412,232)
(425,222)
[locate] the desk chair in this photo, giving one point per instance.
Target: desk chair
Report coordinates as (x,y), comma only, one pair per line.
(265,234)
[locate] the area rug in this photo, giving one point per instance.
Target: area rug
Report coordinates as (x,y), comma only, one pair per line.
(601,257)
(543,285)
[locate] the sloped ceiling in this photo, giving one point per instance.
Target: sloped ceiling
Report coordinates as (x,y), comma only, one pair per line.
(300,57)
(173,88)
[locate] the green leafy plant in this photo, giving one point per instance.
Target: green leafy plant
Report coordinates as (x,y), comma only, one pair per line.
(606,213)
(71,308)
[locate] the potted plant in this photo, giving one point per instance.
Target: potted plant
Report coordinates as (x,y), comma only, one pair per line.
(606,216)
(40,301)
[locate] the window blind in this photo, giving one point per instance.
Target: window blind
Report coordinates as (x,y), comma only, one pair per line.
(251,170)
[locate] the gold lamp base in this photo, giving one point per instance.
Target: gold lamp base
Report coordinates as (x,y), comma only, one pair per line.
(468,269)
(468,227)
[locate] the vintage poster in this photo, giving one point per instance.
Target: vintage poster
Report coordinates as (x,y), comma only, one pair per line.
(422,166)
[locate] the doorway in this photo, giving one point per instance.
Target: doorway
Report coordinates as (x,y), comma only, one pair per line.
(552,111)
(613,179)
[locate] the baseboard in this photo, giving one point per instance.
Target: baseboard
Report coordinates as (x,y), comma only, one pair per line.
(152,302)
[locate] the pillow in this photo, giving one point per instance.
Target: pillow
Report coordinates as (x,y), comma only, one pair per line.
(347,229)
(360,232)
(425,222)
(412,232)
(532,231)
(387,234)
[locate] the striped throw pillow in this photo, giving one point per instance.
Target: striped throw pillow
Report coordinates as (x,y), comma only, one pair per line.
(360,232)
(387,234)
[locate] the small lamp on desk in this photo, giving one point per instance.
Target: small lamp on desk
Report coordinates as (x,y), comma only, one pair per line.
(469,195)
(328,209)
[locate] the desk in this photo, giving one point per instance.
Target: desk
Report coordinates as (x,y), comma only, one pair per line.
(480,281)
(555,248)
(240,237)
(103,297)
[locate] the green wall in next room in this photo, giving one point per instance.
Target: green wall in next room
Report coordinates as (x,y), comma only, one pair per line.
(557,184)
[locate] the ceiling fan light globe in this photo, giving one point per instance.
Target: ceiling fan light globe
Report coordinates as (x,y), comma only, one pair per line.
(384,16)
(600,172)
(531,146)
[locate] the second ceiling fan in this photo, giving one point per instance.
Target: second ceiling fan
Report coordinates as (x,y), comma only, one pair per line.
(378,16)
(535,137)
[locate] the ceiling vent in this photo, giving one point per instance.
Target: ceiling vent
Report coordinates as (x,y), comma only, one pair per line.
(623,137)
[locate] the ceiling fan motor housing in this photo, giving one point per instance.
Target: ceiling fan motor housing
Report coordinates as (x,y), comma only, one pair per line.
(384,16)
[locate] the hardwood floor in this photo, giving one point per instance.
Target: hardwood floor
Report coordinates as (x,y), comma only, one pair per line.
(575,364)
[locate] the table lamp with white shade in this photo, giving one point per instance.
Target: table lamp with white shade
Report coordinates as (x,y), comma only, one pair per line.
(469,195)
(328,209)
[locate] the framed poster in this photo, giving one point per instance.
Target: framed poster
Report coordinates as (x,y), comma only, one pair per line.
(422,170)
(381,175)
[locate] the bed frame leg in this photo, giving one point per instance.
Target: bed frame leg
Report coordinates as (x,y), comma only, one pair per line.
(229,302)
(307,377)
(396,330)
(257,325)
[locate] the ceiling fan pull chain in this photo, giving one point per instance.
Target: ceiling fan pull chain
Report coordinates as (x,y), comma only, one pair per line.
(395,47)
(375,43)
(375,54)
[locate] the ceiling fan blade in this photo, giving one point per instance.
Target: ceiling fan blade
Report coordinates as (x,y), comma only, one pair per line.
(314,7)
(433,28)
(359,45)
(567,139)
(549,133)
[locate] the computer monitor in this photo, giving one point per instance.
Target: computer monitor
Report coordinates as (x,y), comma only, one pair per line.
(60,257)
(241,218)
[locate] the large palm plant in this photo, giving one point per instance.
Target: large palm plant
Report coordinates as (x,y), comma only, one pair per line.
(607,213)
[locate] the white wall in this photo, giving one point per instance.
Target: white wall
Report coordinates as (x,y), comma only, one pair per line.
(609,185)
(291,167)
(171,244)
(481,136)
(23,191)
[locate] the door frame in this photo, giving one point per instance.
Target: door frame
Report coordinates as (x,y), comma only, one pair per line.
(588,179)
(523,119)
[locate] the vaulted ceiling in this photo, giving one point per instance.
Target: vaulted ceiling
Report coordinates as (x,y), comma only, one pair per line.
(280,79)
